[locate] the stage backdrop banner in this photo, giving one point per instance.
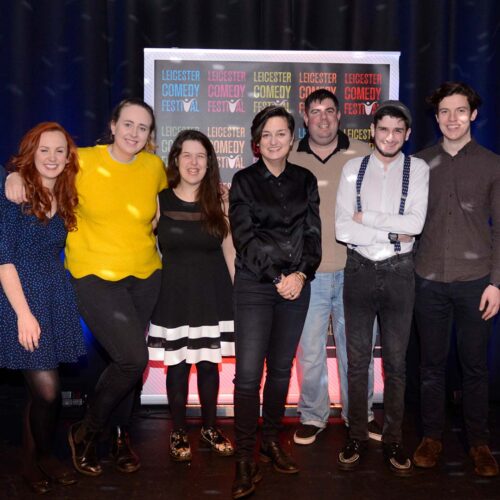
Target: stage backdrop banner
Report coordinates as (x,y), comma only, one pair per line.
(219,92)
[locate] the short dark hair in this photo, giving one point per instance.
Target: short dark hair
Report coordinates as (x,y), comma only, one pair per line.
(261,118)
(319,96)
(393,112)
(447,89)
(108,137)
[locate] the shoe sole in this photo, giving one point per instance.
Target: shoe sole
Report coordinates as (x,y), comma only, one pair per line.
(266,459)
(73,457)
(347,467)
(400,472)
(308,440)
(128,470)
(181,459)
(375,437)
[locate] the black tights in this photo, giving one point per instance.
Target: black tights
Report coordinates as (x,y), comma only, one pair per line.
(40,418)
(208,389)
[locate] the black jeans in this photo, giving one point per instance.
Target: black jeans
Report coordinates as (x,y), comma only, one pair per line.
(386,288)
(117,313)
(268,328)
(437,306)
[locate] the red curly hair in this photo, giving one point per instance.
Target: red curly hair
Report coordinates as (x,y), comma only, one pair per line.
(39,197)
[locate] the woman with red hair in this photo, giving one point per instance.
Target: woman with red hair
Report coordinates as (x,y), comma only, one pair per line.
(39,322)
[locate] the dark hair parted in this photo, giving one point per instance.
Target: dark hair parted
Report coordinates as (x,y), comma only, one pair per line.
(319,96)
(260,121)
(209,196)
(39,198)
(448,89)
(108,137)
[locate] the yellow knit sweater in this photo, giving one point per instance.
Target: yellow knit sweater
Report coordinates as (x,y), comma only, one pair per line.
(117,203)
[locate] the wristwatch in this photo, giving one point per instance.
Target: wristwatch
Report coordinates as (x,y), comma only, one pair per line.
(393,237)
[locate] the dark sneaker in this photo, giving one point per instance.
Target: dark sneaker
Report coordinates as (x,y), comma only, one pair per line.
(398,461)
(350,455)
(217,441)
(180,450)
(374,430)
(306,434)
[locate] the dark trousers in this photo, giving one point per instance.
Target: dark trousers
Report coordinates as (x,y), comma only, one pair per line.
(268,328)
(117,313)
(437,306)
(385,288)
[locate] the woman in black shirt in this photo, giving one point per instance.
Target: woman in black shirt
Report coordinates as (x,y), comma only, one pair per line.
(274,216)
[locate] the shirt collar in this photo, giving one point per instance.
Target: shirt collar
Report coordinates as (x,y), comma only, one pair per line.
(266,173)
(468,148)
(342,143)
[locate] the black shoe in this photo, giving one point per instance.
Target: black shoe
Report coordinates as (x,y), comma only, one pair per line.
(306,434)
(126,460)
(217,441)
(350,456)
(398,461)
(282,461)
(84,453)
(39,486)
(247,474)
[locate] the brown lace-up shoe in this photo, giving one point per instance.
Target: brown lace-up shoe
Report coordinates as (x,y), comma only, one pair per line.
(484,462)
(428,452)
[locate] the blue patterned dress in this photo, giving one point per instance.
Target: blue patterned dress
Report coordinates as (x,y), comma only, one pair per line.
(34,247)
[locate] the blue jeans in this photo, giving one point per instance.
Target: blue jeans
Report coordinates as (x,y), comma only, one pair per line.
(268,330)
(386,288)
(437,305)
(312,371)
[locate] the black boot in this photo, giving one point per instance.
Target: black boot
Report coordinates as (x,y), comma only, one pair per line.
(83,450)
(247,474)
(125,458)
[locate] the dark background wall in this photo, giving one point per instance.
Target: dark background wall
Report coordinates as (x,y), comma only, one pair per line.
(72,60)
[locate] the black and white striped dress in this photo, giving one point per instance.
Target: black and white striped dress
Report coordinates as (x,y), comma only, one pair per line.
(193,319)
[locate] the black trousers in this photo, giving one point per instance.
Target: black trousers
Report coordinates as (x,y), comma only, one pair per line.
(437,306)
(385,288)
(117,313)
(268,329)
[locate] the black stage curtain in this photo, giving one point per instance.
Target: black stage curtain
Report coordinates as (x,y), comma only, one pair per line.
(72,60)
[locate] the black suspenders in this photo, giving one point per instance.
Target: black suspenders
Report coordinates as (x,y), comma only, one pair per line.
(404,189)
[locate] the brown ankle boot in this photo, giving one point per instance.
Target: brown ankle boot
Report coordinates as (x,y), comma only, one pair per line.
(428,452)
(83,450)
(484,462)
(126,460)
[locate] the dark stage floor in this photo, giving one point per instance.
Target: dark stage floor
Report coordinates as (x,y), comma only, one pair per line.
(209,476)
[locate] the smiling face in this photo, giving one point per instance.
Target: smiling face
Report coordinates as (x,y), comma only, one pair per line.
(51,157)
(276,140)
(454,118)
(192,163)
(322,122)
(131,132)
(389,136)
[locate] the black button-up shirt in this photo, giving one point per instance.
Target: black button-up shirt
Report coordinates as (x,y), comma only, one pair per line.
(458,243)
(275,221)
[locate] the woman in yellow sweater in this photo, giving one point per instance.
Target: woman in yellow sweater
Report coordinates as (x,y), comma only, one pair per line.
(115,266)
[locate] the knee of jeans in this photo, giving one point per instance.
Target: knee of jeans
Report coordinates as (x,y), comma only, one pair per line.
(246,387)
(279,373)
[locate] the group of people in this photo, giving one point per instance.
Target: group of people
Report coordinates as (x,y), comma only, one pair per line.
(257,273)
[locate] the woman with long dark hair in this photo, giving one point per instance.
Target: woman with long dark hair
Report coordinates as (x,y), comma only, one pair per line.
(193,320)
(274,214)
(115,268)
(39,321)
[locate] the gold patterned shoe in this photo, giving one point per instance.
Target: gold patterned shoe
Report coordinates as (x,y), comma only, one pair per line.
(217,441)
(180,450)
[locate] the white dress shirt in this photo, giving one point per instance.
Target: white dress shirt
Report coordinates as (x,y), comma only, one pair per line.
(380,200)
